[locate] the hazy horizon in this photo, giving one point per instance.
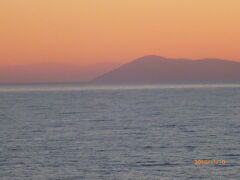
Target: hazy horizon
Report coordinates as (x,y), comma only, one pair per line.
(52,72)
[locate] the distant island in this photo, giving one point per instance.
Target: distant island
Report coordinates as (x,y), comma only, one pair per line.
(160,69)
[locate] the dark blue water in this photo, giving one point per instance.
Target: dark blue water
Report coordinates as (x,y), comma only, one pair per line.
(68,132)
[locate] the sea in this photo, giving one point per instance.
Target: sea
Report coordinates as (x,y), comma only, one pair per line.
(162,131)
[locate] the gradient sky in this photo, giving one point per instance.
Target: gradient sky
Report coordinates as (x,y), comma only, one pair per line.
(87,32)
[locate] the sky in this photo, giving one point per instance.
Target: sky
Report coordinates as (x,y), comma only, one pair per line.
(89,32)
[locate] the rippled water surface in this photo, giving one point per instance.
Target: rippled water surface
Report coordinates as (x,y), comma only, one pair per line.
(72,131)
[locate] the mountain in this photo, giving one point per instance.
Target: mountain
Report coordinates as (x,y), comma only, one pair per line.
(159,69)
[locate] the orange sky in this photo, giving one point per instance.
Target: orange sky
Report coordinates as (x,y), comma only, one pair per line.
(92,31)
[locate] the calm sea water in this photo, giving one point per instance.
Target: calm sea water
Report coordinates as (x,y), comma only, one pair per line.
(73,131)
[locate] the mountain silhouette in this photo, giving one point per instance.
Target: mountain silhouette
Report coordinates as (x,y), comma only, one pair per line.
(159,69)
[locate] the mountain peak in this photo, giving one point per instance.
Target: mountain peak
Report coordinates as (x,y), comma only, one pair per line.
(151,57)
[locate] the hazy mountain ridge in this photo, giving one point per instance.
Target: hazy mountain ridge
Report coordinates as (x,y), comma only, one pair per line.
(52,72)
(157,69)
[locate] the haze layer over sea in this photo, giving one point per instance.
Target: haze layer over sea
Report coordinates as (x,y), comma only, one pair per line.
(121,131)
